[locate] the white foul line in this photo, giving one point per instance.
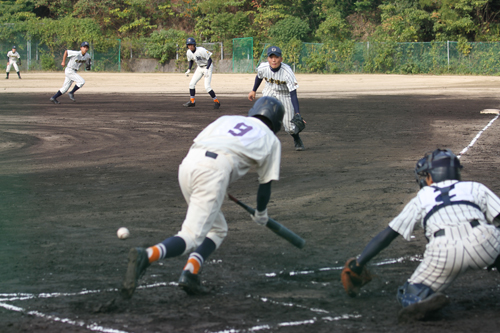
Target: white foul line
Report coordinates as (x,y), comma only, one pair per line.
(477,137)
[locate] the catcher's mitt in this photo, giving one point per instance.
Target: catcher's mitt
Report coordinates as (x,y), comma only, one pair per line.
(88,64)
(353,281)
(299,123)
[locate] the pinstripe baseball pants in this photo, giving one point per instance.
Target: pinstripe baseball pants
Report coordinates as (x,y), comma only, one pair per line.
(460,249)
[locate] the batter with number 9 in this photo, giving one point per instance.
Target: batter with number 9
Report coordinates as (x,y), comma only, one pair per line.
(221,154)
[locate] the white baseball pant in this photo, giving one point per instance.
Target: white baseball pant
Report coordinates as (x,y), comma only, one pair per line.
(461,248)
(12,63)
(286,100)
(203,181)
(71,76)
(198,73)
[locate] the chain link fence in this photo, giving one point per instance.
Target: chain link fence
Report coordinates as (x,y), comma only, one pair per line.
(479,58)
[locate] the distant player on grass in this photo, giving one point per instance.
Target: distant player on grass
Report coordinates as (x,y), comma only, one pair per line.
(203,60)
(281,84)
(76,59)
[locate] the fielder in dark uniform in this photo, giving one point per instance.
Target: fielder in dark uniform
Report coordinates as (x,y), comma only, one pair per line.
(457,217)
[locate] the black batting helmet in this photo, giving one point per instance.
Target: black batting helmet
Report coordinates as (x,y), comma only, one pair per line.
(190,41)
(441,164)
(270,108)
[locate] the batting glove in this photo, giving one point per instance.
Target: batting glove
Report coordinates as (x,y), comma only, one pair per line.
(187,72)
(260,217)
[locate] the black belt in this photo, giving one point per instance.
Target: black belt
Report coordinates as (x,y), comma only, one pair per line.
(440,232)
(211,154)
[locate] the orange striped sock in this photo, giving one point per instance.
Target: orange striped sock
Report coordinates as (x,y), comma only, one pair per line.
(156,252)
(193,265)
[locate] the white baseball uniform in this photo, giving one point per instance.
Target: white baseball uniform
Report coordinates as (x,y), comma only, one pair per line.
(279,84)
(13,57)
(456,217)
(200,56)
(76,59)
(222,153)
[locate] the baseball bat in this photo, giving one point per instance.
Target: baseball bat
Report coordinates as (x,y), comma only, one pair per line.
(275,226)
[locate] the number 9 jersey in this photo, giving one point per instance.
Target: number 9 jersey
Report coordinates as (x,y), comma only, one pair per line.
(245,141)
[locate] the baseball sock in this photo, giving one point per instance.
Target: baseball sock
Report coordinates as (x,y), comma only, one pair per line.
(7,75)
(170,247)
(58,93)
(212,94)
(201,254)
(75,88)
(18,75)
(192,93)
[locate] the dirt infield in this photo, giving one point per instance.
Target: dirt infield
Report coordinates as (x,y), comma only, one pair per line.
(72,174)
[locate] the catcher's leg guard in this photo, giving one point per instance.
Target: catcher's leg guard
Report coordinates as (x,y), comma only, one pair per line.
(412,293)
(418,301)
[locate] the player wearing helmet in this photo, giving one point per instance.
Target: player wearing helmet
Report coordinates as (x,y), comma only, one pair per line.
(457,218)
(203,60)
(222,153)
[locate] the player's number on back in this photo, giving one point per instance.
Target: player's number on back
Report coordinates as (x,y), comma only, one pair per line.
(240,129)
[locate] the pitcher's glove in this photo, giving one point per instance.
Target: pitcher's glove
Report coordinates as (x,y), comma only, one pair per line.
(354,277)
(299,123)
(88,64)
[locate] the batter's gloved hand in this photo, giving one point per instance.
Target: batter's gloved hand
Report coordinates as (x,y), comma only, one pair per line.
(353,277)
(260,217)
(187,72)
(299,123)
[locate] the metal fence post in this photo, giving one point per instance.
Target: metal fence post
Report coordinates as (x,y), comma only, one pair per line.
(28,55)
(448,52)
(119,54)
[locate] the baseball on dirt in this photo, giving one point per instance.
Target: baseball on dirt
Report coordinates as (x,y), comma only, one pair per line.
(123,233)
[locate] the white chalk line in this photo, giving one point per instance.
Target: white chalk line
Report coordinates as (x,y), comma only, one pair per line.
(95,327)
(80,323)
(477,137)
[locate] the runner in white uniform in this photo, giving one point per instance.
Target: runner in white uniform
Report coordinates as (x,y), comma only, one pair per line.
(281,84)
(457,218)
(221,154)
(76,59)
(203,60)
(12,58)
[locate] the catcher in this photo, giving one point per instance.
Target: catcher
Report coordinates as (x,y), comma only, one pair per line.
(457,218)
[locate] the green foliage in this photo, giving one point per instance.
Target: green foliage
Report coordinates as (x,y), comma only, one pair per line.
(289,28)
(162,45)
(47,61)
(334,27)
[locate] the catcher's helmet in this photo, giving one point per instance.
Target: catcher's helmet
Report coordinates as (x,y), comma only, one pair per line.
(441,164)
(270,108)
(190,41)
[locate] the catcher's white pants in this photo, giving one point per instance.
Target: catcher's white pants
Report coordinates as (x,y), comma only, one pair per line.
(71,76)
(461,248)
(286,100)
(203,181)
(12,63)
(198,74)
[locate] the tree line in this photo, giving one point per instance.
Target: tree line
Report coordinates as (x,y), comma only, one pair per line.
(160,25)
